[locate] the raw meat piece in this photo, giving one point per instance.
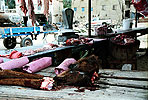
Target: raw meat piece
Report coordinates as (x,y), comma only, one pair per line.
(38,65)
(16,63)
(23,6)
(64,65)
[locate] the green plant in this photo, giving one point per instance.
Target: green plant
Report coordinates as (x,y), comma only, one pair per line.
(67,3)
(10,4)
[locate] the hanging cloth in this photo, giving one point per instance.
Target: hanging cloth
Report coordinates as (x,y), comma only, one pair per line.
(141,6)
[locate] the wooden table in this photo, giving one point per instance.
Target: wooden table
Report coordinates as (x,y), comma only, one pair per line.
(131,32)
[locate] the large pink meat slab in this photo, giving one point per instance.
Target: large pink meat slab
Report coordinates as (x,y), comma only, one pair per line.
(64,65)
(16,63)
(38,65)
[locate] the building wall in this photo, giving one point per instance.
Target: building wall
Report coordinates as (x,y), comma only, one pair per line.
(2,5)
(57,11)
(103,9)
(78,6)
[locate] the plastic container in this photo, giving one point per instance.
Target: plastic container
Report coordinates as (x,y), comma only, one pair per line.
(124,52)
(127,24)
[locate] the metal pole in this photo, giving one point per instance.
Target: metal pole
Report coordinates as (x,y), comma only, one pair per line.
(89,18)
(136,19)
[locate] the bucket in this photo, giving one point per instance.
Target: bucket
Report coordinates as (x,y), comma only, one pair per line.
(127,24)
(123,52)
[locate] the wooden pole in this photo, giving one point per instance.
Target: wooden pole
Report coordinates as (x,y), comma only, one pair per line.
(136,19)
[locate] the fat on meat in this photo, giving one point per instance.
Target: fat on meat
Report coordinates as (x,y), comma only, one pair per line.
(23,6)
(46,8)
(39,3)
(31,11)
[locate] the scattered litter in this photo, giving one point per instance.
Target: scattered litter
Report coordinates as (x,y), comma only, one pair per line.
(127,67)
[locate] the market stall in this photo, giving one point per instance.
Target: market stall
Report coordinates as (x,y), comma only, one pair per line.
(73,71)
